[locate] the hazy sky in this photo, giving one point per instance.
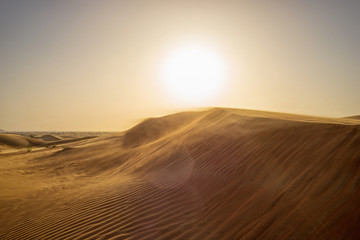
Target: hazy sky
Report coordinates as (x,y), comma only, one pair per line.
(94,65)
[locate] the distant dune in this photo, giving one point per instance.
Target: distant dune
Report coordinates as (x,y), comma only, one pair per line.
(354,117)
(18,141)
(49,137)
(216,174)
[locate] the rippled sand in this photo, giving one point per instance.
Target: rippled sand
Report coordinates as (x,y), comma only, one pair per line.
(216,174)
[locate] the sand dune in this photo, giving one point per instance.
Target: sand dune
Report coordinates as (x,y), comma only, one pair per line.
(18,141)
(49,137)
(72,140)
(354,117)
(216,174)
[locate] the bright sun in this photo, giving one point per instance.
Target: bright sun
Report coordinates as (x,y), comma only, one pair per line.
(193,74)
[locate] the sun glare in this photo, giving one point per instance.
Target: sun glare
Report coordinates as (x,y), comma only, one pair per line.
(193,74)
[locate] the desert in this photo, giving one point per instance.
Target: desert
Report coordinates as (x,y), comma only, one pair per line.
(179,120)
(215,174)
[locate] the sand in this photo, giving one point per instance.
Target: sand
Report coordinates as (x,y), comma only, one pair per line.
(354,117)
(18,141)
(215,174)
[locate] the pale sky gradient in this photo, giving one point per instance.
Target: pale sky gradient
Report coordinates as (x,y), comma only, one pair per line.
(94,65)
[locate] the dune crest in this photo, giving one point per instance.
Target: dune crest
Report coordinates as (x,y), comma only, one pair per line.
(216,174)
(154,128)
(18,141)
(49,137)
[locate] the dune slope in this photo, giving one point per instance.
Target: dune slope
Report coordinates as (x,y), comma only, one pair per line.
(354,117)
(18,141)
(49,137)
(217,174)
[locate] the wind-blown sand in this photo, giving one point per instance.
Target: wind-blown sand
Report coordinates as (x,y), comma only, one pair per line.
(217,174)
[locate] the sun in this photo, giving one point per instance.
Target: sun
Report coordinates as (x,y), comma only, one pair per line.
(193,74)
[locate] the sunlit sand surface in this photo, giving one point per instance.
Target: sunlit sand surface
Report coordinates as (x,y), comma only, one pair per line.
(216,174)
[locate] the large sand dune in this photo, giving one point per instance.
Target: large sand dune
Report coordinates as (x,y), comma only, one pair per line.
(217,174)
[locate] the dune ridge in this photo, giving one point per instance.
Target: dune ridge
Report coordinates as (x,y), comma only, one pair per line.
(354,117)
(215,174)
(18,141)
(49,137)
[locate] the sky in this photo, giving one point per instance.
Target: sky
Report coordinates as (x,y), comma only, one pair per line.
(86,65)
